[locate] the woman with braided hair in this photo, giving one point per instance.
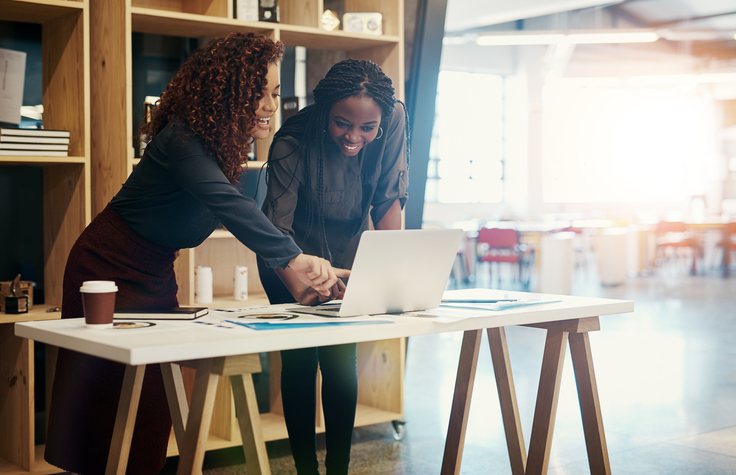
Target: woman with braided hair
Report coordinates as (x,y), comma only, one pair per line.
(184,186)
(334,168)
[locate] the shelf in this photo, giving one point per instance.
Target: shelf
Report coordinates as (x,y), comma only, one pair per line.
(164,22)
(41,161)
(41,467)
(37,11)
(274,428)
(37,313)
(294,35)
(225,301)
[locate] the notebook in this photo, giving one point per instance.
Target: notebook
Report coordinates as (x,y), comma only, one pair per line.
(168,313)
(395,272)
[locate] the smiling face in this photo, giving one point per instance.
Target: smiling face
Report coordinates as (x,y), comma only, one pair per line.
(353,123)
(268,105)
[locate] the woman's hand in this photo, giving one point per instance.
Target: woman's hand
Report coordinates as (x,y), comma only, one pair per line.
(318,274)
(310,296)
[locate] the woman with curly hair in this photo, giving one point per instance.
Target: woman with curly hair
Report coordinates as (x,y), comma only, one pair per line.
(184,186)
(333,169)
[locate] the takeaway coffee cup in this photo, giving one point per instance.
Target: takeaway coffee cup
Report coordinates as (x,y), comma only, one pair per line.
(98,302)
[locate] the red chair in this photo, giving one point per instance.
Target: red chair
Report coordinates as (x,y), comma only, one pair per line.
(503,245)
(673,237)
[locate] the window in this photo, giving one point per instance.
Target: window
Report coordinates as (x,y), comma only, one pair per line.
(466,153)
(627,145)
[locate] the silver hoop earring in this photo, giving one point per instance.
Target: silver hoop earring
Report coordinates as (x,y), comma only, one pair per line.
(380,134)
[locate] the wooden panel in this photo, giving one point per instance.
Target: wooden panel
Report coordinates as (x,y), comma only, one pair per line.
(65,215)
(274,379)
(381,374)
(111,99)
(64,78)
(466,368)
(224,423)
(36,12)
(199,7)
(332,40)
(191,26)
(301,12)
(546,407)
(184,269)
(122,435)
(230,365)
(254,446)
(590,406)
(217,8)
(507,399)
(16,399)
(223,255)
(578,325)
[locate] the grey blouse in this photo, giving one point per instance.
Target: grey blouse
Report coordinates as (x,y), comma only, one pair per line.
(355,188)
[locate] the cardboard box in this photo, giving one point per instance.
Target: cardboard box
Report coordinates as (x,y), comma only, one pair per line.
(26,286)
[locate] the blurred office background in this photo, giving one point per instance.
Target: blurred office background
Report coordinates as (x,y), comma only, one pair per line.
(586,147)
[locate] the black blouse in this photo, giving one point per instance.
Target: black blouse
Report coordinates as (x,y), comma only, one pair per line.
(177,195)
(355,188)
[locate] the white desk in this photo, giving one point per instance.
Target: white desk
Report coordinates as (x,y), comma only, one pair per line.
(215,352)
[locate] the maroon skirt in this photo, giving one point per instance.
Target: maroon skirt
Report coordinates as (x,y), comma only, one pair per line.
(86,389)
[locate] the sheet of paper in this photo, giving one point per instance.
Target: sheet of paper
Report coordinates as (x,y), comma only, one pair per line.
(12,79)
(498,306)
(448,313)
(259,317)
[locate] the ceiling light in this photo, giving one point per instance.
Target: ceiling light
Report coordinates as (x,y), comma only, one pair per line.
(691,35)
(613,37)
(577,37)
(520,39)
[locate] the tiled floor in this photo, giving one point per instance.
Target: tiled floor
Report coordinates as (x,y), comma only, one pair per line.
(666,376)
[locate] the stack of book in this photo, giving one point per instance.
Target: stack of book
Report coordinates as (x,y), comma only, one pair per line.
(36,142)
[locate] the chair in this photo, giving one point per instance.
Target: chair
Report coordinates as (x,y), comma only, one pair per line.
(502,245)
(728,243)
(672,237)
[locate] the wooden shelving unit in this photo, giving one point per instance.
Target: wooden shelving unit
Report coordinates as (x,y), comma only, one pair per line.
(66,209)
(87,89)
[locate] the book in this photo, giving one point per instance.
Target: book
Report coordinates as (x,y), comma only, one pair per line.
(35,153)
(167,313)
(32,146)
(34,132)
(33,139)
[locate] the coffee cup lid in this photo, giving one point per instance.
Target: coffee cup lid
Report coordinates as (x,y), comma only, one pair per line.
(98,286)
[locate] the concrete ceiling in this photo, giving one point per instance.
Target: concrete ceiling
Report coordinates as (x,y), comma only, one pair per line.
(701,28)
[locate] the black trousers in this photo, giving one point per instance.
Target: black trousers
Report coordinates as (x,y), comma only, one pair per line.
(338,365)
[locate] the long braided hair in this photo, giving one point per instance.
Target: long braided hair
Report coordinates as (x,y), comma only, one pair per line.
(348,78)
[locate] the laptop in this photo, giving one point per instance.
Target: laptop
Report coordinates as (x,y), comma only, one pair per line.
(395,272)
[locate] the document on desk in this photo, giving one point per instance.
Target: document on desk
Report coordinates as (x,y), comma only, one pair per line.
(452,311)
(276,317)
(290,325)
(496,305)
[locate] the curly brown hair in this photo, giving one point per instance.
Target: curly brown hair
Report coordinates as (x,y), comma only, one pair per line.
(216,93)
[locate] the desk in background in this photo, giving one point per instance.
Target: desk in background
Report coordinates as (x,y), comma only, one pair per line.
(214,352)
